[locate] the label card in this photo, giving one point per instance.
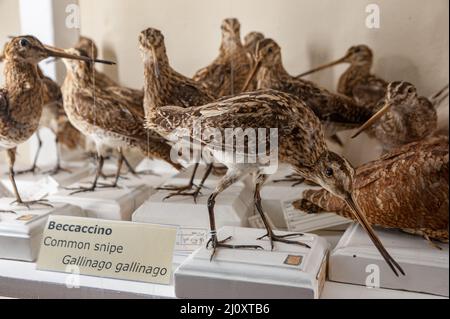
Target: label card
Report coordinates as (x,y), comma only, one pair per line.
(111,249)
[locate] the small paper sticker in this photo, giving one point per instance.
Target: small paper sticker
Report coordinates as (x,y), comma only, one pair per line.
(26,218)
(292,260)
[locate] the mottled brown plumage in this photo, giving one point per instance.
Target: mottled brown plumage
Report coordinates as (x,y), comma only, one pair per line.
(22,100)
(251,40)
(357,82)
(337,112)
(107,117)
(403,117)
(226,75)
(405,189)
(300,140)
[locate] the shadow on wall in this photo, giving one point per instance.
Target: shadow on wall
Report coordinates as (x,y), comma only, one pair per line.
(317,55)
(110,54)
(398,68)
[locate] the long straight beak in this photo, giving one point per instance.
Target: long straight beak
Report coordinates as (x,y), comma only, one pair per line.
(58,53)
(368,228)
(373,119)
(252,75)
(324,66)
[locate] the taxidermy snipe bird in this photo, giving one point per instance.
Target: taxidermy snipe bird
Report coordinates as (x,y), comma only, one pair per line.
(22,99)
(251,40)
(405,189)
(226,75)
(54,118)
(357,82)
(88,46)
(165,86)
(301,143)
(337,112)
(108,118)
(403,117)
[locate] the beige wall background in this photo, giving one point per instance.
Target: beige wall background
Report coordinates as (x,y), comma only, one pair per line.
(412,43)
(9,24)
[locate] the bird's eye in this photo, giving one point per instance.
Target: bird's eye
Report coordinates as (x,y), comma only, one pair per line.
(24,43)
(357,50)
(269,50)
(329,172)
(410,90)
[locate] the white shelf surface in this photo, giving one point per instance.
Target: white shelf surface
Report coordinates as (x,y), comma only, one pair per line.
(22,280)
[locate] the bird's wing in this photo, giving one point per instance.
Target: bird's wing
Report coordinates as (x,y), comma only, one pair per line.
(328,107)
(134,98)
(4,103)
(371,172)
(187,94)
(370,92)
(110,113)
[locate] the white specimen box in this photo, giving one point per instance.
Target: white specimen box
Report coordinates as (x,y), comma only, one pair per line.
(232,208)
(355,260)
(288,272)
(20,233)
(299,221)
(36,186)
(108,203)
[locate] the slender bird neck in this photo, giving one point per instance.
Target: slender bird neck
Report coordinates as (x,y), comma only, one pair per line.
(230,44)
(157,82)
(275,72)
(353,75)
(82,77)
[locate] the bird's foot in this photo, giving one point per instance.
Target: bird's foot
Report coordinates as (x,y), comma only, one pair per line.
(195,194)
(58,169)
(284,239)
(176,188)
(214,243)
(93,188)
(8,212)
(295,179)
(29,204)
(33,170)
(147,172)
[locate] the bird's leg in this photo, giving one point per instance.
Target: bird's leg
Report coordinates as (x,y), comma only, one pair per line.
(270,234)
(94,186)
(119,168)
(198,188)
(182,188)
(134,172)
(19,201)
(58,168)
(33,168)
(214,242)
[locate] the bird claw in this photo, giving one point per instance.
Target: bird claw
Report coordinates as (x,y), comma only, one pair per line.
(28,204)
(8,212)
(57,170)
(148,172)
(194,194)
(214,244)
(79,190)
(297,180)
(34,170)
(282,239)
(176,188)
